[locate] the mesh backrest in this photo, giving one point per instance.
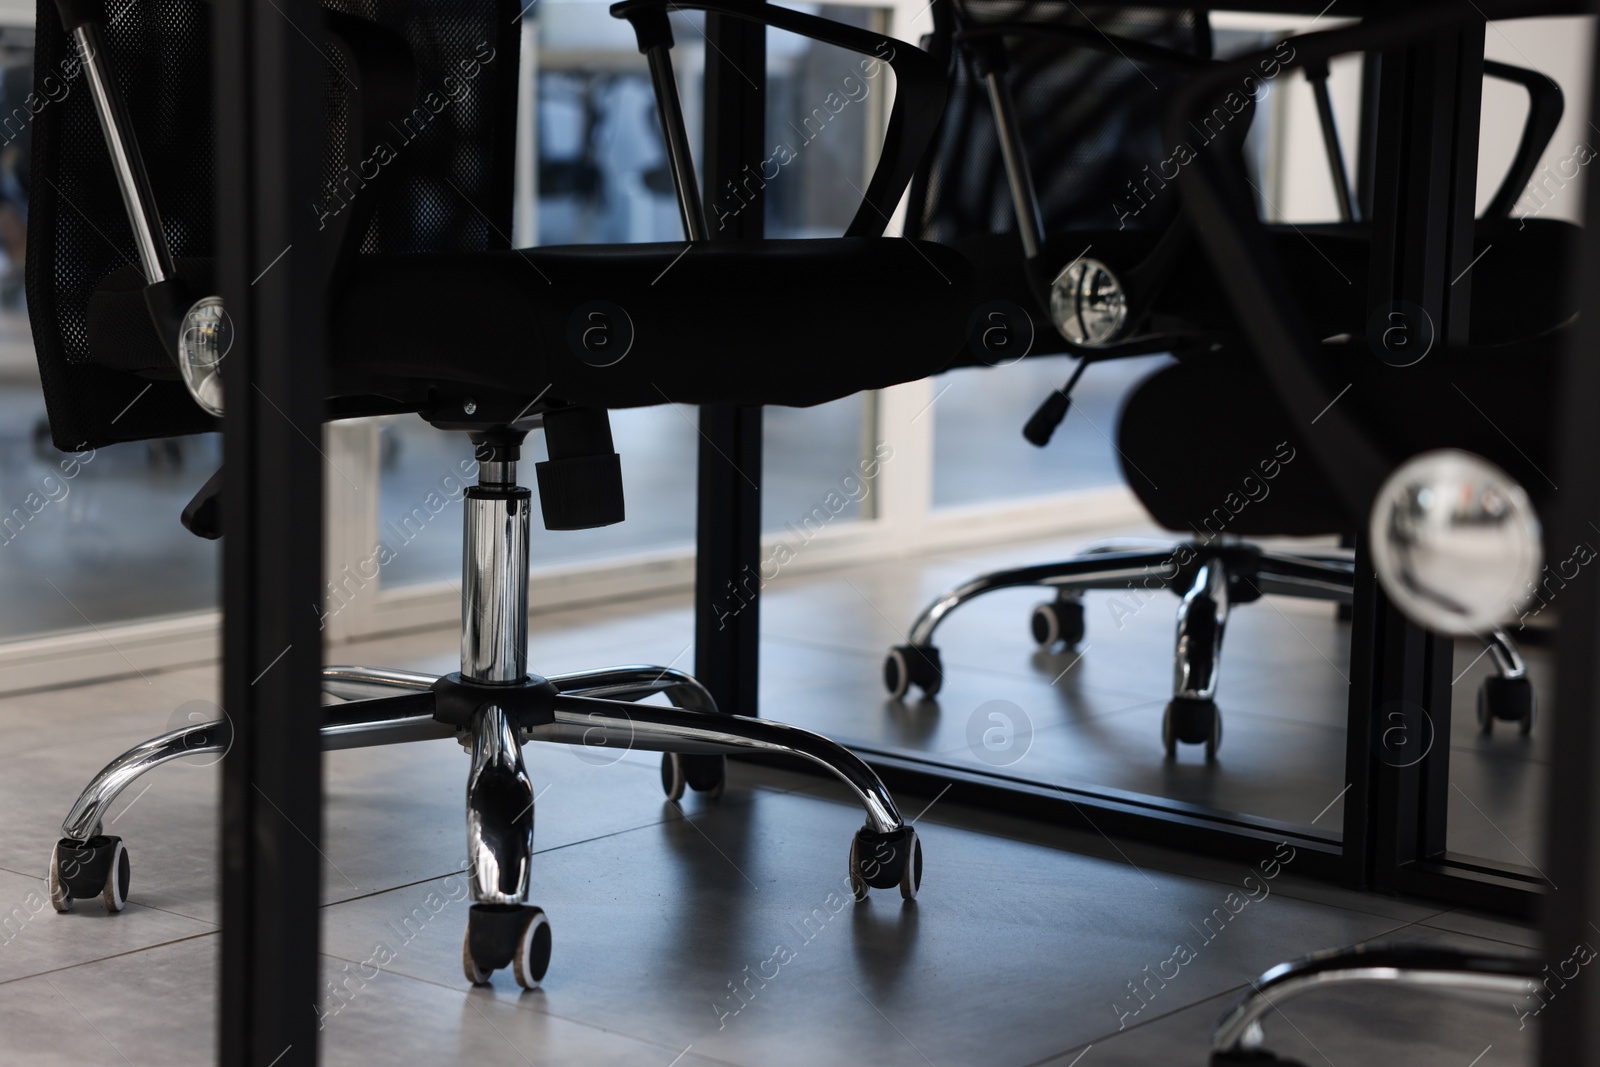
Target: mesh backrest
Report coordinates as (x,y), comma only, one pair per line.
(447,188)
(1090,122)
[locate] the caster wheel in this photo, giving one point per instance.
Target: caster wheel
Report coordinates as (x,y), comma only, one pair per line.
(673,780)
(475,975)
(703,774)
(115,894)
(533,951)
(1508,700)
(501,935)
(908,665)
(883,861)
(1057,622)
(1193,722)
(60,895)
(98,867)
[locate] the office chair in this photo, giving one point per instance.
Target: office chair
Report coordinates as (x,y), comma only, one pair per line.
(1430,487)
(432,313)
(1143,287)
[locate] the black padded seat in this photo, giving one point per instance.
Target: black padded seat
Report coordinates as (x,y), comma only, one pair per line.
(835,316)
(1326,264)
(1206,446)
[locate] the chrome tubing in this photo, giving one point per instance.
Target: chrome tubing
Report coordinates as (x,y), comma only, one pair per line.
(651,728)
(1098,570)
(635,682)
(494,582)
(362,683)
(1024,200)
(1504,651)
(1202,617)
(1239,1028)
(133,181)
(1306,576)
(347,726)
(369,723)
(499,811)
(670,111)
(83,821)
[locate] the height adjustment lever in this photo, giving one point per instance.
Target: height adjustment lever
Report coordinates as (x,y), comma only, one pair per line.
(1042,426)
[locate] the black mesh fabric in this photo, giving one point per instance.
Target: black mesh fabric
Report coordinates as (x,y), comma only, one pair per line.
(448,187)
(1090,121)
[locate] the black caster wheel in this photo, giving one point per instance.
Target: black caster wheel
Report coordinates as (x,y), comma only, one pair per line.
(883,861)
(500,935)
(703,774)
(908,665)
(1508,700)
(1057,622)
(97,867)
(1193,722)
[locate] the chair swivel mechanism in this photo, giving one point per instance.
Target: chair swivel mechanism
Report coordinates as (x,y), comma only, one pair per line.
(1146,289)
(129,334)
(1451,510)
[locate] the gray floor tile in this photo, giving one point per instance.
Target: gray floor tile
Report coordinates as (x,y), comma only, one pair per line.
(34,939)
(651,926)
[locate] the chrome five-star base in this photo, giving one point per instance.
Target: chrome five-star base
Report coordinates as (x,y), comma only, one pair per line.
(493,706)
(1210,578)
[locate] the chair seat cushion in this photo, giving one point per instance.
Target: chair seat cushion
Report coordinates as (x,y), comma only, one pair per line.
(772,322)
(776,322)
(1207,447)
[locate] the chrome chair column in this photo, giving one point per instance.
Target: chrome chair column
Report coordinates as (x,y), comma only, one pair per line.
(494,577)
(494,652)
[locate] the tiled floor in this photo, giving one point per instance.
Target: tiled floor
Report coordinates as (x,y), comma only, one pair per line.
(1020,949)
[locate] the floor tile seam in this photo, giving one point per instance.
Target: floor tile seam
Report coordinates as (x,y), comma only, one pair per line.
(213,932)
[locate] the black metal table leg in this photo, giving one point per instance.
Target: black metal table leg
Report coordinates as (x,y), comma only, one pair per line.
(728,548)
(268,79)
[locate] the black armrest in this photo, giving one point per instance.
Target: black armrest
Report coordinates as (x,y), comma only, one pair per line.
(1545,107)
(920,88)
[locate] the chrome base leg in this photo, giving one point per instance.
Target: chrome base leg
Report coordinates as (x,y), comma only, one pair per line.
(885,852)
(83,821)
(1094,570)
(1507,657)
(363,683)
(1202,617)
(581,720)
(1239,1028)
(358,724)
(918,663)
(636,682)
(1191,715)
(499,811)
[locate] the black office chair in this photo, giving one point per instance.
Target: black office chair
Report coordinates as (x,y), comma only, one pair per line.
(1405,462)
(1099,292)
(431,312)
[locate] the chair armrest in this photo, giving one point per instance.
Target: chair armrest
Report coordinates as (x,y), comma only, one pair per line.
(919,99)
(1545,107)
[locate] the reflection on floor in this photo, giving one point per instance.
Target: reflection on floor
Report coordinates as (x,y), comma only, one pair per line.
(1026,946)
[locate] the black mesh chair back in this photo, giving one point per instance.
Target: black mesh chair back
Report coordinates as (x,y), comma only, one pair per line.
(1089,121)
(441,184)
